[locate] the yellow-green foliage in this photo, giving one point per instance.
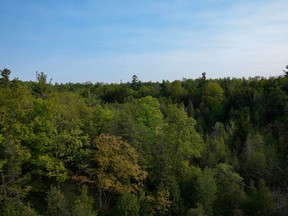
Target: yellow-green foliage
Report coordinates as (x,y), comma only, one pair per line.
(116,165)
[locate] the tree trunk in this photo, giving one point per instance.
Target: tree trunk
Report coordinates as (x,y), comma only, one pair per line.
(3,184)
(100,198)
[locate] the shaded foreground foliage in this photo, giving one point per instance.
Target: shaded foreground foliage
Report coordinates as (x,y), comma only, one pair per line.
(190,147)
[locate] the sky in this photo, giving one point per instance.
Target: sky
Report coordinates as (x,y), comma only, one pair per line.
(111,40)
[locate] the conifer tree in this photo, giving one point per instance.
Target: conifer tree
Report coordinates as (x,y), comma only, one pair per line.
(83,205)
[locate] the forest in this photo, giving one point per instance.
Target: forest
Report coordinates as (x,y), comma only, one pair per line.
(190,147)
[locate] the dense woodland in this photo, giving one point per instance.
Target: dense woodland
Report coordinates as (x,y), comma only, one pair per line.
(190,147)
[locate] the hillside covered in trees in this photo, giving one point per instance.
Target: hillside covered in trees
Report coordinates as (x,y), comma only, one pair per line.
(190,147)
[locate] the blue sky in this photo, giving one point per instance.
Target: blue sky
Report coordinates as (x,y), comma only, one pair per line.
(110,40)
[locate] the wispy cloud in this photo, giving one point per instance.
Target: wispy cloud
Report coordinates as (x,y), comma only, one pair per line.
(154,39)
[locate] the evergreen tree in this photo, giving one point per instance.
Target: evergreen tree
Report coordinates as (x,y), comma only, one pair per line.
(127,204)
(56,203)
(11,208)
(83,205)
(206,190)
(286,71)
(190,109)
(5,73)
(261,200)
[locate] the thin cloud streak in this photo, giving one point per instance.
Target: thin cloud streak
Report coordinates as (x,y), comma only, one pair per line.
(153,40)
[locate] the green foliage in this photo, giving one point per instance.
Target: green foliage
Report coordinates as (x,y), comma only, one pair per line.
(83,205)
(192,145)
(176,91)
(41,88)
(150,89)
(116,93)
(180,134)
(190,109)
(57,125)
(148,112)
(286,72)
(103,119)
(216,150)
(15,109)
(135,85)
(206,188)
(127,204)
(5,73)
(213,93)
(254,157)
(212,103)
(177,206)
(140,122)
(56,203)
(198,211)
(230,194)
(53,168)
(114,163)
(145,207)
(160,202)
(261,200)
(12,208)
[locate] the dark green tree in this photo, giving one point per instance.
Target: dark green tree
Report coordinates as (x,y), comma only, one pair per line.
(230,194)
(41,87)
(198,211)
(206,190)
(261,200)
(56,203)
(127,204)
(5,73)
(135,85)
(83,205)
(11,208)
(190,109)
(286,71)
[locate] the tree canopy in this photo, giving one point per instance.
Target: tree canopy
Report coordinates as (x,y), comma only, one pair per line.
(191,147)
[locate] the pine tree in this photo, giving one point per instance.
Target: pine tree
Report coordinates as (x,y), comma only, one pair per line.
(83,205)
(56,203)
